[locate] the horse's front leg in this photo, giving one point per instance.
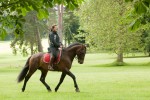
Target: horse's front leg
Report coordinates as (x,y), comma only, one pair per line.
(74,79)
(60,81)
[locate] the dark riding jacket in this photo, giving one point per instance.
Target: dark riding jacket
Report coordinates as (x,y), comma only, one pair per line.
(54,43)
(54,40)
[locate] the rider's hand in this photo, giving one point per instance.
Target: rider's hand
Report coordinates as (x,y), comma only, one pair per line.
(60,48)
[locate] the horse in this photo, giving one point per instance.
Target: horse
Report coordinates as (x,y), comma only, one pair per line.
(35,62)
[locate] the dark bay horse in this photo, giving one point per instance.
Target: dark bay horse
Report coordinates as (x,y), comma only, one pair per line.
(36,62)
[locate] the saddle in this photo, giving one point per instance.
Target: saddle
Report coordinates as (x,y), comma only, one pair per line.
(47,57)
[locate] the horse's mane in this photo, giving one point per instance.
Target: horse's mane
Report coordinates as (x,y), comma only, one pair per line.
(73,44)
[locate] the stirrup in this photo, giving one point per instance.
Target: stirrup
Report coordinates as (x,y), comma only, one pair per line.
(50,68)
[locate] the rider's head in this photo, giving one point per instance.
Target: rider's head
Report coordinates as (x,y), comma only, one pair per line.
(54,28)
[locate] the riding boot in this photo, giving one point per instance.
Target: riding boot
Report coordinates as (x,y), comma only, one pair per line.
(50,67)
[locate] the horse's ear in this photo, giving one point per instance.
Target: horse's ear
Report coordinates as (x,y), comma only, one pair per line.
(86,45)
(82,45)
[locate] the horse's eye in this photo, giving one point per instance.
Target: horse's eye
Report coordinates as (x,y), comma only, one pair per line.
(82,53)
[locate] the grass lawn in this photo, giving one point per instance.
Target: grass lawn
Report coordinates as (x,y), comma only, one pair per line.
(96,80)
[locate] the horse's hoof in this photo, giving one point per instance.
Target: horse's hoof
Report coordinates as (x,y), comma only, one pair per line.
(56,89)
(22,90)
(49,90)
(77,90)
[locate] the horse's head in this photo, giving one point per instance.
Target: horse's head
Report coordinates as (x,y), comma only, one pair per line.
(81,53)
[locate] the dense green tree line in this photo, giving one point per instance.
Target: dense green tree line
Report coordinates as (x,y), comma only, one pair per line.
(118,26)
(12,12)
(108,23)
(25,19)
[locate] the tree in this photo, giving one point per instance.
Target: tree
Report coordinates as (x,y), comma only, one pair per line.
(141,12)
(107,27)
(12,14)
(31,39)
(71,26)
(60,21)
(12,11)
(140,16)
(146,41)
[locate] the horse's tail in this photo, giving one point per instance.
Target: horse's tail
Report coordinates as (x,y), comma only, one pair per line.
(24,71)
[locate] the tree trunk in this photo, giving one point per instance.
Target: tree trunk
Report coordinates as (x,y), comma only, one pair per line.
(38,38)
(120,35)
(149,54)
(39,44)
(14,42)
(31,47)
(120,57)
(65,40)
(60,20)
(68,41)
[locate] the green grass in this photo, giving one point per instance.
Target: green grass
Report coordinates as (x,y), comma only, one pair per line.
(98,79)
(111,83)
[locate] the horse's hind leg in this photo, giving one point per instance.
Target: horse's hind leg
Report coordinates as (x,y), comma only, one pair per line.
(60,81)
(30,73)
(42,79)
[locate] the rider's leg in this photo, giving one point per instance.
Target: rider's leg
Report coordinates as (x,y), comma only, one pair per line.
(53,55)
(50,67)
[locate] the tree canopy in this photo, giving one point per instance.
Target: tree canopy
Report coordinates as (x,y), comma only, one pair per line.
(140,13)
(12,12)
(107,24)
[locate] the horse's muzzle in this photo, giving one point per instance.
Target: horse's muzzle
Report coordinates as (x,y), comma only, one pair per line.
(80,62)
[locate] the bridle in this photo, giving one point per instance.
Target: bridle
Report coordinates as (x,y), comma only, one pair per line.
(76,57)
(79,52)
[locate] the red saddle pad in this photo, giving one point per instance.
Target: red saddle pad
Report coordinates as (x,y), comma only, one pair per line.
(47,57)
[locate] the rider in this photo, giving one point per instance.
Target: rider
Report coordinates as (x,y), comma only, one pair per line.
(55,44)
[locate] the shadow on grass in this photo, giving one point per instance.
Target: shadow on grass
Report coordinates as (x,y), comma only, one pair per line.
(116,64)
(137,57)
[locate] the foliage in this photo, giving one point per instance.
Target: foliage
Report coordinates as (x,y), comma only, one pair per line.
(71,26)
(29,40)
(12,11)
(106,27)
(141,14)
(110,83)
(146,41)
